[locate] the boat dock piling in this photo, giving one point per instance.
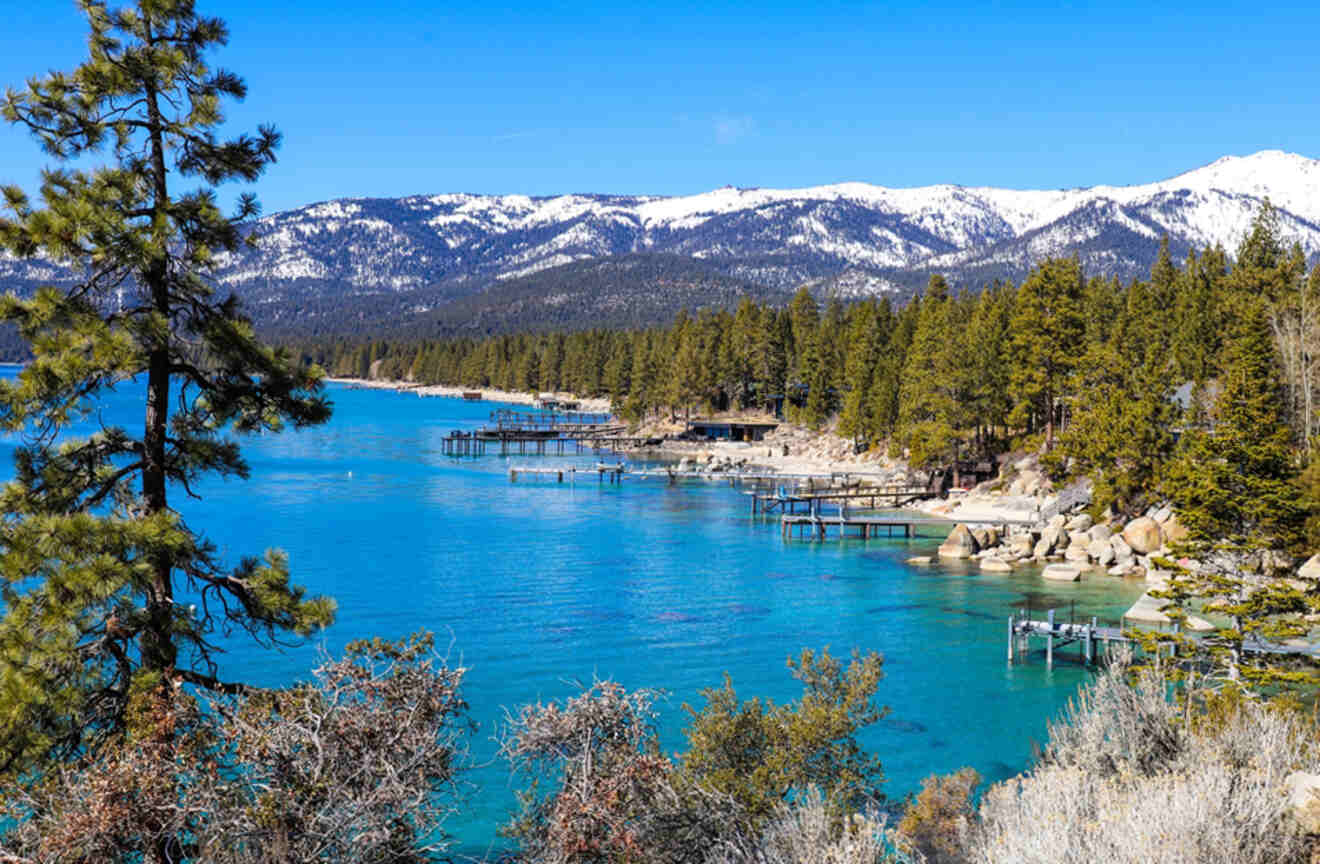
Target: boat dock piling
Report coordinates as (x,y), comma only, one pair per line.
(542,433)
(477,443)
(621,470)
(1088,635)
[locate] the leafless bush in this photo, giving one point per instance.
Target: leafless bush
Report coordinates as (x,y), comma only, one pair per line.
(1125,780)
(612,795)
(806,832)
(359,765)
(1117,726)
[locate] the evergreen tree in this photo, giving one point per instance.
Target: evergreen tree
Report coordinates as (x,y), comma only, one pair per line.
(742,352)
(986,345)
(864,340)
(1048,328)
(1121,431)
(886,385)
(928,407)
(110,599)
(1199,321)
(816,369)
(1234,491)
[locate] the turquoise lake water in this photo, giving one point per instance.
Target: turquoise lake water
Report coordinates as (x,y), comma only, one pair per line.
(534,584)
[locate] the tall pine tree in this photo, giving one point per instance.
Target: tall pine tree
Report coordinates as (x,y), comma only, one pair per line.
(1233,488)
(108,594)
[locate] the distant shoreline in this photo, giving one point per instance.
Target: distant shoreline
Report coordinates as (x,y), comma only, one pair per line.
(488,394)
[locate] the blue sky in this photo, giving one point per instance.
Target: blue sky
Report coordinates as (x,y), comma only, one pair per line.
(402,96)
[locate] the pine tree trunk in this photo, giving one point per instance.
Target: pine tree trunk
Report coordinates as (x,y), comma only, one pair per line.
(158,649)
(157,645)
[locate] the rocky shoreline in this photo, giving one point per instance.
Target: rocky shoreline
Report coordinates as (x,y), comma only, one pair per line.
(488,394)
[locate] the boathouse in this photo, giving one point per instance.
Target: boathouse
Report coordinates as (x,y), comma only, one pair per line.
(552,402)
(730,430)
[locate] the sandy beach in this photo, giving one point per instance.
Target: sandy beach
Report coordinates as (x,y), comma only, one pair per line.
(489,394)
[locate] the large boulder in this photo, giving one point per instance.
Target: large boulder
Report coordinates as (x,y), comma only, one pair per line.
(1099,532)
(1077,555)
(1143,535)
(1021,545)
(1062,573)
(1026,483)
(1102,552)
(959,544)
(1174,530)
(996,565)
(1053,537)
(1081,522)
(1120,546)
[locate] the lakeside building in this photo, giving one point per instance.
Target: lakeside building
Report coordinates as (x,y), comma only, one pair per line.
(715,429)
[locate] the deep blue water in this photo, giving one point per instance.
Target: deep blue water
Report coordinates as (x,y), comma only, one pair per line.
(534,584)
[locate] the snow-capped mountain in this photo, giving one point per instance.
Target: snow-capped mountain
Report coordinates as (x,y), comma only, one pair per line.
(418,253)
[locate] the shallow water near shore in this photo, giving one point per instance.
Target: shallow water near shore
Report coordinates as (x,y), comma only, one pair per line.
(534,584)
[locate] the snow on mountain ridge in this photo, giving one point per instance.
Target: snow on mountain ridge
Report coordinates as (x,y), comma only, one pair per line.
(451,245)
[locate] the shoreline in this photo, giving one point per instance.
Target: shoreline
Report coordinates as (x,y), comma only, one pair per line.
(488,394)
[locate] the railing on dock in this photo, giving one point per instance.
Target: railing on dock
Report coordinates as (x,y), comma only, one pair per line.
(1092,636)
(795,498)
(1088,635)
(479,443)
(514,419)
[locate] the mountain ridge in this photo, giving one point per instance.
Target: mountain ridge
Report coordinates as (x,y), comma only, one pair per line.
(420,253)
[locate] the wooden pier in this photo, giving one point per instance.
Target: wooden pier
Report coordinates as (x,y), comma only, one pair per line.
(1090,636)
(670,476)
(790,500)
(460,444)
(818,525)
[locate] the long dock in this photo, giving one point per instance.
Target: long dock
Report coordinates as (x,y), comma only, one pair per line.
(818,525)
(566,474)
(1090,637)
(790,502)
(459,444)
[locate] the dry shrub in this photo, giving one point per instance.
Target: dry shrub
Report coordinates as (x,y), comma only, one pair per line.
(608,793)
(936,824)
(602,792)
(805,831)
(1126,778)
(359,765)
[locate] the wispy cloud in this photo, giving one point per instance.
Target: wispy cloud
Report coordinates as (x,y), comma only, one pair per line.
(730,129)
(511,136)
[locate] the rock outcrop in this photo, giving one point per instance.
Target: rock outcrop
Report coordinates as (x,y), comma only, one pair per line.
(959,544)
(1062,573)
(1143,535)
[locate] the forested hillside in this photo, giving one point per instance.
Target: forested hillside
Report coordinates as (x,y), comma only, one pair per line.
(1104,372)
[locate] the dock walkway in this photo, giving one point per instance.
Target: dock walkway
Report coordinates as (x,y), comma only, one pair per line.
(1091,636)
(759,479)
